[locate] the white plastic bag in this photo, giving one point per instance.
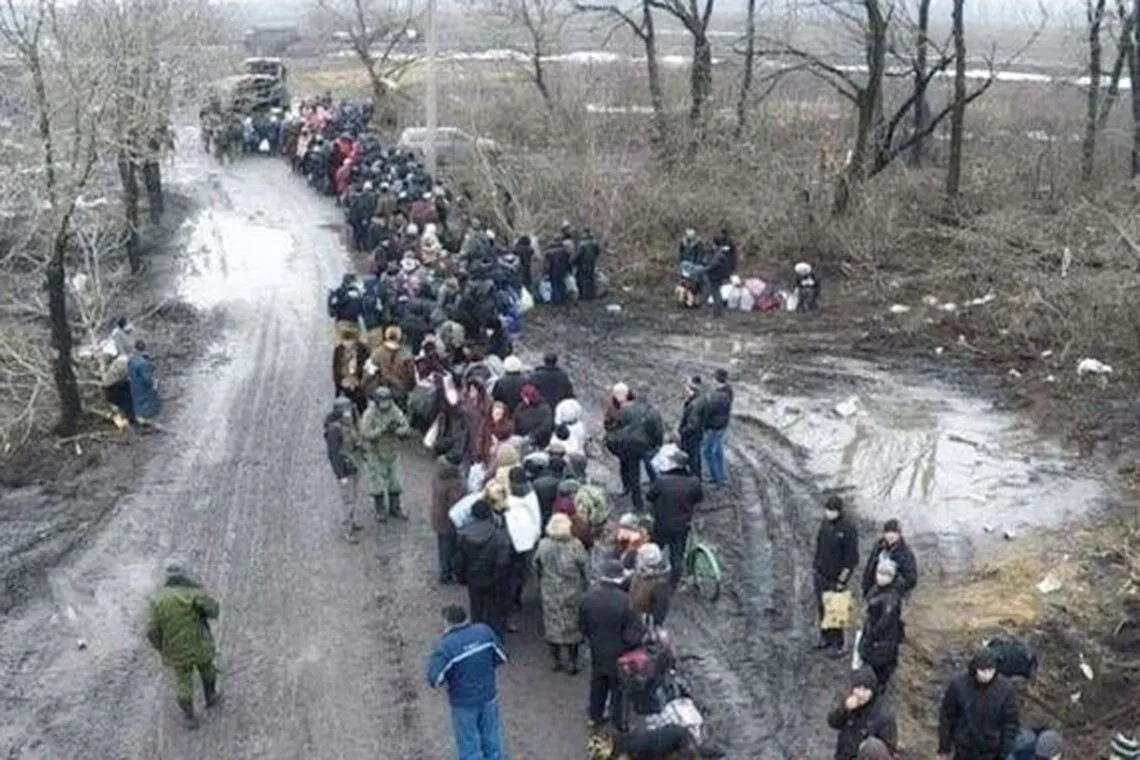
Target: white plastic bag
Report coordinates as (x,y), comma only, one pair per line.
(856,658)
(475,477)
(684,712)
(263,146)
(460,512)
(526,301)
(432,435)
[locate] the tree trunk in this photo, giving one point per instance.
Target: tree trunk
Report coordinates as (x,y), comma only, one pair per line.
(152,180)
(958,113)
(1092,110)
(63,371)
(921,105)
(868,105)
(128,177)
(1134,77)
(1123,54)
(700,79)
(749,65)
(653,75)
(539,74)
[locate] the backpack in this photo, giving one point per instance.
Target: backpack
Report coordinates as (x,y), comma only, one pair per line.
(1013,657)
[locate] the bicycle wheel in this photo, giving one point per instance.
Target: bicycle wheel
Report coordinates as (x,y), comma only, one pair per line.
(705,571)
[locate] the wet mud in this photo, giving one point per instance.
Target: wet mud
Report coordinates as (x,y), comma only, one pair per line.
(323,643)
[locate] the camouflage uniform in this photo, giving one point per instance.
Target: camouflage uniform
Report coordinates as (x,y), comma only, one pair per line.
(381,427)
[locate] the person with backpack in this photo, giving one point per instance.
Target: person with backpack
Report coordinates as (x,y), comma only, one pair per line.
(346,302)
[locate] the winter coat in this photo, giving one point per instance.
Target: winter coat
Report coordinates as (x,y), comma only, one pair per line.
(590,502)
(446,489)
(380,432)
(345,304)
(902,556)
(674,497)
(535,422)
(569,414)
(343,444)
(394,367)
(836,549)
(553,384)
(882,627)
(874,719)
(607,620)
(523,521)
(466,658)
(692,414)
(508,389)
(580,527)
(140,377)
(978,721)
(179,624)
(546,488)
(561,565)
(348,365)
(717,410)
(638,431)
(483,555)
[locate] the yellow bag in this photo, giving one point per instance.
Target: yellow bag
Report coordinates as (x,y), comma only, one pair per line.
(838,607)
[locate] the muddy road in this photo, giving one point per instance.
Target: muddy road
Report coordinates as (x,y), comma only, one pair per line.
(322,642)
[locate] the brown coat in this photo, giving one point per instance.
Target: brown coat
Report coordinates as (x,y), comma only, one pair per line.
(394,367)
(339,365)
(446,489)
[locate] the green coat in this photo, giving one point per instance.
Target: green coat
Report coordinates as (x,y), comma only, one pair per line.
(380,433)
(562,565)
(178,626)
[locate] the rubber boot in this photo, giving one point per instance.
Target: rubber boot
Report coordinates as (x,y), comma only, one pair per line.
(394,506)
(381,513)
(187,707)
(213,698)
(556,655)
(572,664)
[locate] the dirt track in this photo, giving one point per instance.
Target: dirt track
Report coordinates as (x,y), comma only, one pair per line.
(323,643)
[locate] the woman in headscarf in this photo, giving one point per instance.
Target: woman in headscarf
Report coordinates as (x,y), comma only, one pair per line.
(649,590)
(564,504)
(561,565)
(534,419)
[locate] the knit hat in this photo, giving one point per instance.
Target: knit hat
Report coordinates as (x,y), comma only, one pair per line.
(174,566)
(721,375)
(551,359)
(568,487)
(512,364)
(874,748)
(629,520)
(694,383)
(1049,745)
(651,561)
(892,526)
(517,476)
(1124,748)
(834,503)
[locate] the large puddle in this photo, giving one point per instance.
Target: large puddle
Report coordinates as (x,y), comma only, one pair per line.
(950,466)
(232,259)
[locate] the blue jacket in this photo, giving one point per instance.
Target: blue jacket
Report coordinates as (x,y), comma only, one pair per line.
(466,657)
(140,377)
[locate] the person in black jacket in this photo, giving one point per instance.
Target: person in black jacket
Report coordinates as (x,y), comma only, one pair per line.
(545,474)
(978,719)
(861,715)
(585,269)
(716,413)
(552,381)
(482,562)
(508,388)
(892,546)
(882,624)
(674,498)
(345,303)
(690,430)
(635,435)
(558,261)
(836,557)
(611,627)
(524,250)
(534,419)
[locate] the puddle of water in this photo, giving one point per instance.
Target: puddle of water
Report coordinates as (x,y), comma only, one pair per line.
(941,462)
(233,259)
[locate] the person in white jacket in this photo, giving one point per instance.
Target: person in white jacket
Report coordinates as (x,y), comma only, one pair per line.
(568,415)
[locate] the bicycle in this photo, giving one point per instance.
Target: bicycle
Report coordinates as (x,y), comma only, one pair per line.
(702,566)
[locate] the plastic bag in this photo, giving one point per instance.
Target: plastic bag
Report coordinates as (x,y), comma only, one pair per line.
(837,609)
(432,435)
(475,477)
(263,146)
(460,512)
(526,300)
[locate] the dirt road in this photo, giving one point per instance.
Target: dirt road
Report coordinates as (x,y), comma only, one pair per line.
(322,643)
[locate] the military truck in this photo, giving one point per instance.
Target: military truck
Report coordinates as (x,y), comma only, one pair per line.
(260,89)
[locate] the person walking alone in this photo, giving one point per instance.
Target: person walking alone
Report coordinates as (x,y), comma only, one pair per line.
(715,416)
(466,658)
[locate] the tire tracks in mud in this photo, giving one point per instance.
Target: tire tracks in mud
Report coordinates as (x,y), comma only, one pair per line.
(749,655)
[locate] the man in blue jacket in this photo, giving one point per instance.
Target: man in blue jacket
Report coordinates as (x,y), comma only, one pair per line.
(465,658)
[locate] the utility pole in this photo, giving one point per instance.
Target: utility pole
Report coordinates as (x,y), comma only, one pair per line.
(431,103)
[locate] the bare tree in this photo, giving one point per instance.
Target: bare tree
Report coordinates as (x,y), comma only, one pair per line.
(68,98)
(1094,16)
(958,110)
(639,20)
(1125,20)
(377,31)
(921,82)
(749,68)
(695,17)
(1134,78)
(544,22)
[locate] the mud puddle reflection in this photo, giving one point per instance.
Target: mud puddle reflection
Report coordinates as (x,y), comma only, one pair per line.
(233,260)
(957,472)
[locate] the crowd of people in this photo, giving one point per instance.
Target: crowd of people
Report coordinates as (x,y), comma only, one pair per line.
(424,349)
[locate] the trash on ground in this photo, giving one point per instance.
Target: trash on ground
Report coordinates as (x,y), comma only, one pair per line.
(930,300)
(949,307)
(613,308)
(899,308)
(1014,373)
(1049,584)
(1092,367)
(848,407)
(982,301)
(1086,669)
(1047,353)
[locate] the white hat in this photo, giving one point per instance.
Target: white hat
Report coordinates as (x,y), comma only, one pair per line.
(803,268)
(512,364)
(413,229)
